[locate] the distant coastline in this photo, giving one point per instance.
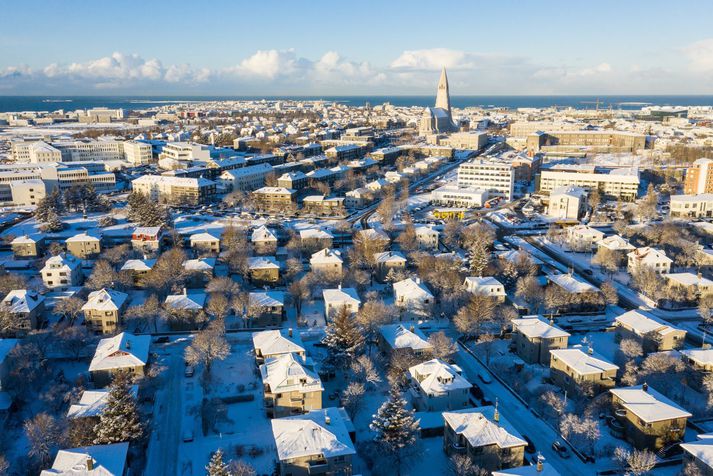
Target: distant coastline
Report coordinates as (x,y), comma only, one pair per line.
(628,102)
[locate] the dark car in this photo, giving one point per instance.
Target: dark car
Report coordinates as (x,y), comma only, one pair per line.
(530,448)
(477,392)
(588,272)
(161,340)
(561,449)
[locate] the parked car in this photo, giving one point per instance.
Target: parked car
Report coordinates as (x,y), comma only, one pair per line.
(187,436)
(189,371)
(485,377)
(561,449)
(530,448)
(161,340)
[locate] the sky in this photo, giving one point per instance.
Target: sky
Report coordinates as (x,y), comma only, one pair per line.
(367,47)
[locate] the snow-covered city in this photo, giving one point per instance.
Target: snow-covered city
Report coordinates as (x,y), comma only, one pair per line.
(297,285)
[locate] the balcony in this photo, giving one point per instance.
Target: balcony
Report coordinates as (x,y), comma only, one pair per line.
(319,466)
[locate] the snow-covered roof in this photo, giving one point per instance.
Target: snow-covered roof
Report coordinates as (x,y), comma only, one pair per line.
(188,300)
(689,279)
(341,295)
(286,373)
(412,289)
(702,449)
(535,327)
(514,255)
(318,432)
(398,337)
(105,300)
(616,242)
(81,238)
(642,324)
(648,254)
(138,265)
(529,470)
(147,230)
(203,237)
(278,341)
(486,284)
(436,376)
(263,262)
(649,405)
(315,233)
(199,264)
(106,460)
(571,283)
(21,301)
(121,351)
(372,234)
(266,298)
(61,261)
(326,256)
(477,425)
(93,402)
(582,362)
(262,233)
(699,356)
(389,256)
(27,239)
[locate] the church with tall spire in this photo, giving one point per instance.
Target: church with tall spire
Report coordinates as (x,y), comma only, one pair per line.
(438,119)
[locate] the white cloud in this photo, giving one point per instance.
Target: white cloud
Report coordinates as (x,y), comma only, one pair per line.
(700,55)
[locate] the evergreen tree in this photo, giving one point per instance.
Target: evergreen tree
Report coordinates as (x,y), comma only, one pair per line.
(52,221)
(479,257)
(120,419)
(344,339)
(51,203)
(395,426)
(216,466)
(144,211)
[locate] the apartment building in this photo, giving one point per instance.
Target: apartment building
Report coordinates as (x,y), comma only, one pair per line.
(184,152)
(289,386)
(567,203)
(175,189)
(85,150)
(275,198)
(651,421)
(272,343)
(699,177)
(692,206)
(245,179)
(28,246)
(653,334)
(534,338)
(648,257)
(599,141)
(454,196)
(495,177)
(26,309)
(616,183)
(346,152)
(84,246)
(61,272)
(27,192)
(465,140)
(103,310)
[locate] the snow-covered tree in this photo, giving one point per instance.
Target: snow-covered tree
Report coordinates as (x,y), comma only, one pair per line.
(241,468)
(443,346)
(365,371)
(344,339)
(69,308)
(395,426)
(208,346)
(44,435)
(216,466)
(636,462)
(372,315)
(120,420)
(353,397)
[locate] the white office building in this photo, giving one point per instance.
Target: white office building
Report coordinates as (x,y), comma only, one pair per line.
(495,177)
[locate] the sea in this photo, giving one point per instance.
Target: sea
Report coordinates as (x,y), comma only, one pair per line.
(70,103)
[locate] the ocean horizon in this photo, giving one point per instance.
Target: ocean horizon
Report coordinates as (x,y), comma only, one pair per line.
(131,102)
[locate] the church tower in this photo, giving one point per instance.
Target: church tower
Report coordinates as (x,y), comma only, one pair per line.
(443,97)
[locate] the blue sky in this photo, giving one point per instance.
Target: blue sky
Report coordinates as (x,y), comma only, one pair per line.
(365,47)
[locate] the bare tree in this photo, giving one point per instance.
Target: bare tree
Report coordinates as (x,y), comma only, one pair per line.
(208,346)
(69,308)
(529,290)
(479,309)
(241,468)
(372,315)
(74,340)
(607,259)
(45,435)
(353,398)
(218,305)
(610,293)
(636,462)
(365,371)
(443,346)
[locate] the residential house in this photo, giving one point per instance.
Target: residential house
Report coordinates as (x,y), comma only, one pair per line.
(199,271)
(427,237)
(328,262)
(394,338)
(700,362)
(264,241)
(695,286)
(185,307)
(275,199)
(581,371)
(338,299)
(650,258)
(61,272)
(99,460)
(616,243)
(583,238)
(534,338)
(28,246)
(264,269)
(387,261)
(265,308)
(487,438)
(147,239)
(317,442)
(569,203)
(487,286)
(699,455)
(437,386)
(26,308)
(653,334)
(578,294)
(84,246)
(651,421)
(289,386)
(104,309)
(124,352)
(413,296)
(138,267)
(313,239)
(276,342)
(205,243)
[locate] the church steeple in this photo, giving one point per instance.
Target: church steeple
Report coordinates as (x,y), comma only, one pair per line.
(443,97)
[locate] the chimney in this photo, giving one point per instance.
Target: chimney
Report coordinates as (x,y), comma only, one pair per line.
(185,292)
(128,344)
(327,420)
(289,332)
(540,462)
(496,414)
(340,286)
(645,387)
(412,328)
(90,463)
(590,349)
